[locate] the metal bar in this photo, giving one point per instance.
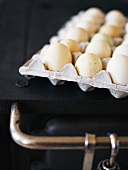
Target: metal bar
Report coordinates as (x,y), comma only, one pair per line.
(88,159)
(34,142)
(90,140)
(114,149)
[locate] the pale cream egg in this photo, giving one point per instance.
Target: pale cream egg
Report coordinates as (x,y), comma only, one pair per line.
(118,69)
(110,30)
(105,37)
(77,34)
(91,19)
(71,44)
(57,56)
(88,65)
(117,23)
(100,48)
(121,49)
(96,12)
(115,15)
(88,26)
(120,25)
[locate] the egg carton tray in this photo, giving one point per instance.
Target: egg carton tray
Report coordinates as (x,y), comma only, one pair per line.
(35,67)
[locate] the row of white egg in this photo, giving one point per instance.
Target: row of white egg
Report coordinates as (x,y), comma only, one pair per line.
(89,64)
(100,47)
(94,20)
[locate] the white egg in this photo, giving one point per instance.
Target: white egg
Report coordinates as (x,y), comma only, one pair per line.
(115,15)
(118,69)
(88,65)
(105,37)
(119,24)
(95,13)
(121,49)
(72,45)
(100,48)
(77,34)
(88,26)
(92,19)
(110,30)
(57,56)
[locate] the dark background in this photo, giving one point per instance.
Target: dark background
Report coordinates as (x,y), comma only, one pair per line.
(25,26)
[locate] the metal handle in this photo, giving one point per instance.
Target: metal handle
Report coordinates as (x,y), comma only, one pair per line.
(111,164)
(114,149)
(34,142)
(90,140)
